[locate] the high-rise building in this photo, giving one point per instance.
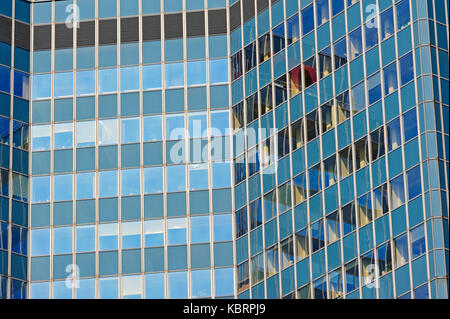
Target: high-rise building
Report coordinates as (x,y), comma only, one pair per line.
(224,149)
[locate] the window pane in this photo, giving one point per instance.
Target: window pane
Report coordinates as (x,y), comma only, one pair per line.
(131,181)
(196,72)
(129,79)
(62,187)
(41,137)
(176,178)
(176,231)
(153,180)
(218,71)
(151,76)
(85,185)
(108,236)
(154,233)
(42,85)
(107,80)
(107,184)
(107,132)
(152,128)
(62,240)
(63,136)
(131,235)
(85,82)
(174,74)
(198,176)
(414,182)
(199,229)
(86,134)
(63,84)
(130,130)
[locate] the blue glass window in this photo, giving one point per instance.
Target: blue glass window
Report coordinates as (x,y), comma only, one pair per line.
(152,128)
(63,136)
(63,84)
(410,124)
(196,72)
(355,39)
(86,238)
(201,283)
(400,248)
(417,241)
(85,82)
(130,130)
(42,85)
(174,74)
(406,68)
(40,242)
(129,79)
(41,137)
(223,227)
(40,189)
(175,127)
(374,88)
(387,24)
(131,235)
(177,285)
(414,182)
(107,80)
(154,233)
(176,231)
(153,180)
(151,76)
(21,84)
(390,78)
(307,19)
(221,175)
(199,229)
(108,132)
(198,126)
(220,123)
(108,236)
(131,181)
(224,281)
(62,187)
(85,185)
(402,14)
(62,240)
(175,178)
(107,184)
(218,71)
(322,11)
(85,133)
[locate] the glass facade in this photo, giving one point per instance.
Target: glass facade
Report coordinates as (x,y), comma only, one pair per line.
(14,147)
(224,149)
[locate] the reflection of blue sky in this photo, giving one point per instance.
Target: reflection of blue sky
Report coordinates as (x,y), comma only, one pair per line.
(174,74)
(63,84)
(218,71)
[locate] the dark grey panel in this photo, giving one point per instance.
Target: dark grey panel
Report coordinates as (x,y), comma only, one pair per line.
(262,4)
(86,34)
(235,15)
(5,29)
(217,21)
(173,26)
(248,9)
(151,28)
(22,35)
(42,37)
(63,36)
(107,31)
(129,29)
(195,24)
